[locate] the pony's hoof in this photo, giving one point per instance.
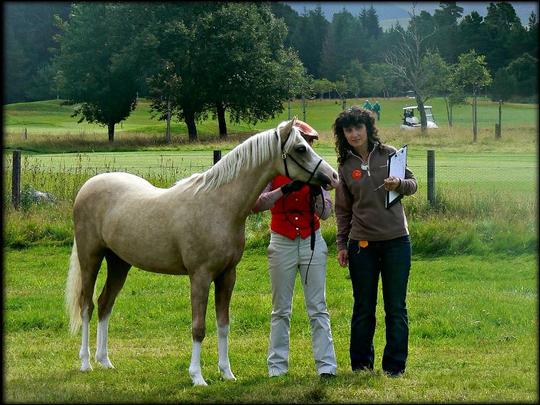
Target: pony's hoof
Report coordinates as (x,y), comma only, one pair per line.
(197,378)
(227,374)
(105,363)
(86,366)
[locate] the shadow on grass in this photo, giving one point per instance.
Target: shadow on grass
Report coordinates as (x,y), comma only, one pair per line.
(122,386)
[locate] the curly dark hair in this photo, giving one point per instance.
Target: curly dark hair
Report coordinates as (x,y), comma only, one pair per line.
(352,117)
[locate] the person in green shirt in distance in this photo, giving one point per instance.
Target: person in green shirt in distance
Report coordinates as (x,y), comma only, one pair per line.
(377,108)
(367,105)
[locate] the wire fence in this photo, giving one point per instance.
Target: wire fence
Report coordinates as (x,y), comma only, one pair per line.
(61,175)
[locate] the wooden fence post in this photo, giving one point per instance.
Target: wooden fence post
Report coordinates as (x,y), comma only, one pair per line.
(498,126)
(431,177)
(217,156)
(16,179)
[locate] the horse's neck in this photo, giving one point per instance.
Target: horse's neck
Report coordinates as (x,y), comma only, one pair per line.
(239,196)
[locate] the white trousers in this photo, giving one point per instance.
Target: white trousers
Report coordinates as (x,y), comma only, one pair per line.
(285,258)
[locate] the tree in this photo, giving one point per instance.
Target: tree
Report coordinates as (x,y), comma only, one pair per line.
(452,91)
(370,22)
(163,87)
(94,71)
(321,86)
(243,64)
(411,62)
(381,81)
(341,88)
(29,28)
(473,74)
(345,41)
(446,22)
(472,34)
(355,77)
(503,86)
(168,56)
(531,39)
(516,79)
(505,35)
(309,38)
(525,71)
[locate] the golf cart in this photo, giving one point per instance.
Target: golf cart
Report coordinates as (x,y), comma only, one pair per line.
(412,121)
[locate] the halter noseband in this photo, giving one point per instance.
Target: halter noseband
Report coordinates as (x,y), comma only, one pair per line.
(285,155)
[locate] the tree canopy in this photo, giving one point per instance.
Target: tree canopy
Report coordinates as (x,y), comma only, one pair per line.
(242,60)
(92,66)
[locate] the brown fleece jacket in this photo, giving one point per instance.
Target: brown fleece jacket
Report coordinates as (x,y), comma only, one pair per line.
(360,211)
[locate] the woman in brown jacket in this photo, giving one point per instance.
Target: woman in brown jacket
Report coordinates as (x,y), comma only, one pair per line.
(372,239)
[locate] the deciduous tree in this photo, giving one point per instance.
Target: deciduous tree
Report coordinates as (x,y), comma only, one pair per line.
(472,73)
(94,72)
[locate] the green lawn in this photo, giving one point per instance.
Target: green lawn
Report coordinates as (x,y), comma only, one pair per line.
(473,337)
(50,117)
(472,295)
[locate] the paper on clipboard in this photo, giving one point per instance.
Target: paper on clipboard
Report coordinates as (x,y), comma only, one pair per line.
(397,162)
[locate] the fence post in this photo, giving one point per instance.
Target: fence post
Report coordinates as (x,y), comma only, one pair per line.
(498,127)
(16,179)
(217,156)
(431,177)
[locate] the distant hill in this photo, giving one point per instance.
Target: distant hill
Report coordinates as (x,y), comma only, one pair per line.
(390,12)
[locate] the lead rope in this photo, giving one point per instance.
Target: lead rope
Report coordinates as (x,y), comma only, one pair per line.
(312,226)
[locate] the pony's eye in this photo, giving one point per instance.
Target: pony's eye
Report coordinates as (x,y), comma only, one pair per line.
(300,149)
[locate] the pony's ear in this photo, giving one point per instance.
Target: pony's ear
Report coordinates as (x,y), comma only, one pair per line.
(286,129)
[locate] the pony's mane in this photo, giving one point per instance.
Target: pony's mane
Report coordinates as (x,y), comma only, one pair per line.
(252,152)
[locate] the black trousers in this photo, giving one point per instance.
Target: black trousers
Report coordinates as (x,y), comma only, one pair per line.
(392,259)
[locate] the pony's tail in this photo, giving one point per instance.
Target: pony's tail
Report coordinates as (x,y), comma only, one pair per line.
(73,291)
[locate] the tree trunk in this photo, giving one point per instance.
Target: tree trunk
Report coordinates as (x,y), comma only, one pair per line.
(189,119)
(448,111)
(110,130)
(220,108)
(168,130)
(423,120)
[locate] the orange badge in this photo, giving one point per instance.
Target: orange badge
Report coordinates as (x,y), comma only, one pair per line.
(363,243)
(356,174)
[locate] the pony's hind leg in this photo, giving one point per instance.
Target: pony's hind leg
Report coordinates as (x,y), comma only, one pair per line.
(200,286)
(90,264)
(224,285)
(117,271)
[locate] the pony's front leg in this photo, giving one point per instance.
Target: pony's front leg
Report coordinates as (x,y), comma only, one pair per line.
(224,286)
(200,285)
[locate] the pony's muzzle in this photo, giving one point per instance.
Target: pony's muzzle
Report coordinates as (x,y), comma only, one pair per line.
(328,182)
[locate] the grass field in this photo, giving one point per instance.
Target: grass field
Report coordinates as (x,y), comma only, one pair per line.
(50,127)
(473,337)
(472,295)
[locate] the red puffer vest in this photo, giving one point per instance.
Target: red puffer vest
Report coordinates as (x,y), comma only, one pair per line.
(290,214)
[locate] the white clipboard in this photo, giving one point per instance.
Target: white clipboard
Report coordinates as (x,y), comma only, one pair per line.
(397,162)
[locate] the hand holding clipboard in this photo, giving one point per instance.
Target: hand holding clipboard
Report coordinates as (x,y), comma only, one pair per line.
(397,162)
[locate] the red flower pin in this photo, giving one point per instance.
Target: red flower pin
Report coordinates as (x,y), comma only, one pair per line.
(356,174)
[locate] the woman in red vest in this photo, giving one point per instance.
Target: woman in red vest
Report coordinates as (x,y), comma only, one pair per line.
(296,209)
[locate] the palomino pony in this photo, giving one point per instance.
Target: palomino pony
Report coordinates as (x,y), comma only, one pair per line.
(196,227)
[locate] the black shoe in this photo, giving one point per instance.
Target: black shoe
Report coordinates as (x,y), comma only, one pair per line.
(362,368)
(327,376)
(394,373)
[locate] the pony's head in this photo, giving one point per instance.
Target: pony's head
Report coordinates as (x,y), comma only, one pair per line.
(299,161)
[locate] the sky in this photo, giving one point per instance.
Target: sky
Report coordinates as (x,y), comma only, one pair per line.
(389,12)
